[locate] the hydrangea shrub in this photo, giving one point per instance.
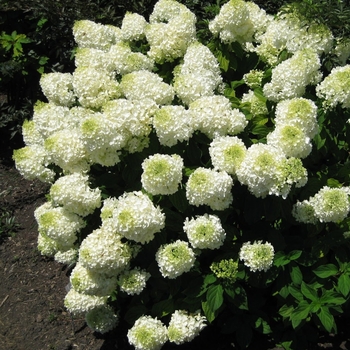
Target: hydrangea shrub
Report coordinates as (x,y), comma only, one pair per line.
(198,183)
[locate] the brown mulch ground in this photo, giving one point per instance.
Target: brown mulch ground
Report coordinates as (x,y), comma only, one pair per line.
(32,289)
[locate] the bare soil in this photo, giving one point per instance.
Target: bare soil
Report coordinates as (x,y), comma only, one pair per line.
(33,287)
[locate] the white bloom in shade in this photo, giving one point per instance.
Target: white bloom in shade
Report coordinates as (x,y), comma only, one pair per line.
(134,86)
(290,78)
(183,327)
(148,333)
(291,140)
(136,217)
(58,88)
(214,116)
(58,223)
(101,319)
(174,259)
(49,118)
(254,78)
(94,87)
(173,124)
(73,192)
(205,232)
(304,212)
(331,204)
(133,27)
(78,303)
(94,58)
(30,133)
(104,252)
(66,149)
(257,256)
(209,187)
(67,257)
(133,281)
(90,282)
(227,153)
(162,173)
(299,112)
(95,35)
(31,162)
(260,169)
(335,88)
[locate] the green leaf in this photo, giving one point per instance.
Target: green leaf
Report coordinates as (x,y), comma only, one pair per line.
(296,293)
(262,326)
(325,271)
(344,284)
(179,200)
(281,259)
(208,312)
(296,275)
(215,296)
(223,61)
(332,298)
(326,318)
(286,310)
(309,292)
(301,312)
(294,254)
(333,183)
(163,308)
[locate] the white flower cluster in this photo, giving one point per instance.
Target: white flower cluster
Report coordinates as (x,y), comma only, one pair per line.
(171,29)
(209,187)
(101,319)
(214,116)
(173,124)
(257,256)
(174,259)
(133,281)
(290,77)
(327,205)
(133,27)
(257,105)
(162,173)
(198,76)
(184,327)
(335,88)
(205,232)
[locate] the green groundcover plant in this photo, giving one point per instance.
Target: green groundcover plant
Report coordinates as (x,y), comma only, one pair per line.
(199,178)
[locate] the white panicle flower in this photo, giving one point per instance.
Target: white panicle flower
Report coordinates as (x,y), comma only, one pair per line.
(78,303)
(254,78)
(342,50)
(93,58)
(148,333)
(59,224)
(90,282)
(291,140)
(58,88)
(66,149)
(133,86)
(95,35)
(233,23)
(209,187)
(335,88)
(227,153)
(183,327)
(137,218)
(31,162)
(290,78)
(94,87)
(133,281)
(30,133)
(133,27)
(47,246)
(125,61)
(49,118)
(73,192)
(104,252)
(257,105)
(257,256)
(331,204)
(173,124)
(174,259)
(67,257)
(101,319)
(304,212)
(259,169)
(172,28)
(205,232)
(162,173)
(299,112)
(214,116)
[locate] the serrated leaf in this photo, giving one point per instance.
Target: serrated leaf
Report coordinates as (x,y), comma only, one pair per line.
(325,271)
(309,292)
(215,296)
(332,298)
(296,293)
(262,326)
(286,310)
(326,318)
(344,284)
(208,312)
(296,275)
(301,312)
